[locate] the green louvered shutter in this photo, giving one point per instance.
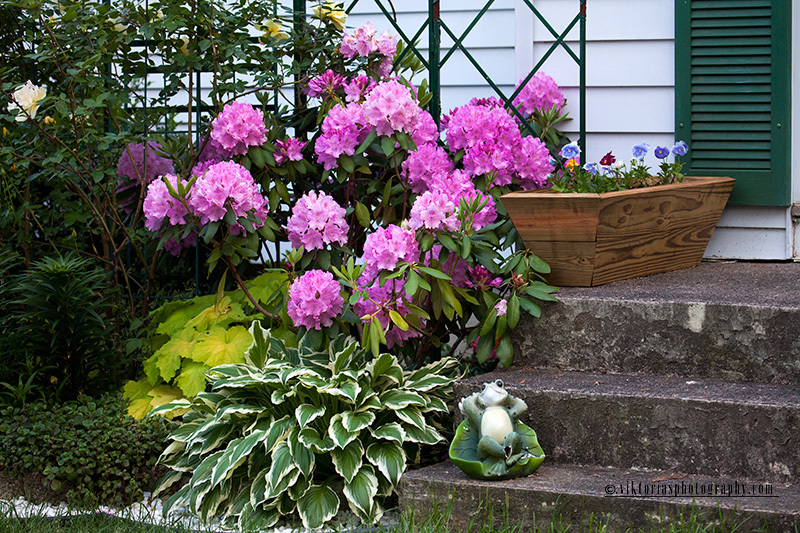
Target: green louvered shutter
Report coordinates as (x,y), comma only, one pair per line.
(732,94)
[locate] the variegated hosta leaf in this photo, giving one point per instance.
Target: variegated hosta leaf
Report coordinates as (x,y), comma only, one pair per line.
(360,492)
(426,435)
(391,431)
(299,488)
(303,458)
(212,501)
(411,415)
(389,458)
(286,505)
(215,437)
(282,464)
(286,481)
(340,435)
(258,352)
(236,454)
(258,489)
(348,460)
(306,413)
(347,389)
(317,506)
(257,518)
(280,395)
(368,401)
(446,366)
(310,437)
(436,404)
(342,359)
(277,431)
(354,422)
(385,366)
(398,399)
(429,382)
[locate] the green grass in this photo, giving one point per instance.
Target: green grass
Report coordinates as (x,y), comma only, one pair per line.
(435,522)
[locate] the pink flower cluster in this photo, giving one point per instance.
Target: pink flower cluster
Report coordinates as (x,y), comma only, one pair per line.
(342,132)
(317,220)
(224,185)
(493,145)
(325,85)
(481,279)
(364,41)
(239,126)
(382,300)
(387,246)
(357,89)
(160,205)
(143,165)
(434,210)
(540,94)
(289,150)
(314,300)
(391,107)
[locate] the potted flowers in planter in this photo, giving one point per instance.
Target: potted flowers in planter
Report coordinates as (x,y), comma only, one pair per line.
(611,220)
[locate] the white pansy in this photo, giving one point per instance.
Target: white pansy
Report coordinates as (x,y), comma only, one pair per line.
(26,101)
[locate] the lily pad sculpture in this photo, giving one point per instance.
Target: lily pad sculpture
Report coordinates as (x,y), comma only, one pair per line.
(491,443)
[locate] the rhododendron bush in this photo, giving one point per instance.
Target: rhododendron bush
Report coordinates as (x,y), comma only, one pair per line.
(381,226)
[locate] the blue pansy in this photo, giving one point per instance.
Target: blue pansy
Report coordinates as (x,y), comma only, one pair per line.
(570,151)
(680,149)
(661,152)
(640,150)
(591,168)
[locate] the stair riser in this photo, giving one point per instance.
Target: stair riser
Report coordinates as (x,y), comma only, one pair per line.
(525,506)
(692,340)
(720,439)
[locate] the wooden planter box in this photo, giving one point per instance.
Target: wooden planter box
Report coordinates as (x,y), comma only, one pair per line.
(591,239)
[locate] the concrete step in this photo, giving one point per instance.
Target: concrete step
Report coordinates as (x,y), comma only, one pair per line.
(711,428)
(724,321)
(624,499)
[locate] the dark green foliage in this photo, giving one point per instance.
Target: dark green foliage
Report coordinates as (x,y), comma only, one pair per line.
(89,452)
(56,332)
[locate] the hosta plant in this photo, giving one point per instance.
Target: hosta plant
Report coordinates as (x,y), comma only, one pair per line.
(296,432)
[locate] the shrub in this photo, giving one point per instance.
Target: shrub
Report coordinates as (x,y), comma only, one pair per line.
(57,320)
(88,452)
(297,432)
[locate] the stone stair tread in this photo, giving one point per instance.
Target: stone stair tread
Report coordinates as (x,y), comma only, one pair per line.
(741,284)
(578,491)
(592,481)
(642,386)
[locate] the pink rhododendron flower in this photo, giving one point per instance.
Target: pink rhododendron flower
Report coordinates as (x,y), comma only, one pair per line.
(143,165)
(426,131)
(325,85)
(289,150)
(387,246)
(532,163)
(224,185)
(175,247)
(200,168)
(391,107)
(342,132)
(382,300)
(314,300)
(357,89)
(539,94)
(317,220)
(434,210)
(213,151)
(159,205)
(429,163)
(481,279)
(453,266)
(239,126)
(501,306)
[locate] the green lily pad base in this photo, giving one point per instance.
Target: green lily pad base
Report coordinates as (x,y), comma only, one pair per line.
(464,453)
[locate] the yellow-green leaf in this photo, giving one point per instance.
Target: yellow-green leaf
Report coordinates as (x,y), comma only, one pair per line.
(192,378)
(220,346)
(227,311)
(138,392)
(164,394)
(170,354)
(265,285)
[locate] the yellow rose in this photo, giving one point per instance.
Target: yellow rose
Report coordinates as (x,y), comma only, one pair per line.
(26,101)
(49,120)
(185,46)
(275,29)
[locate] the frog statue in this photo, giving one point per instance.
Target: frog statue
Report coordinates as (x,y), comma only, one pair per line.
(491,442)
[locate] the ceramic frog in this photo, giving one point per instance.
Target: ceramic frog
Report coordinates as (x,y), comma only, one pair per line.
(495,413)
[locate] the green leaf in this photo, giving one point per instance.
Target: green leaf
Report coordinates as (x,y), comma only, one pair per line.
(398,320)
(171,353)
(348,460)
(435,273)
(282,465)
(340,435)
(485,348)
(362,215)
(387,145)
(311,438)
(347,164)
(398,399)
(303,458)
(220,346)
(192,379)
(537,293)
(447,242)
(532,308)
(369,140)
(235,454)
(512,316)
(538,264)
(391,431)
(505,351)
(361,490)
(354,422)
(317,506)
(389,458)
(305,413)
